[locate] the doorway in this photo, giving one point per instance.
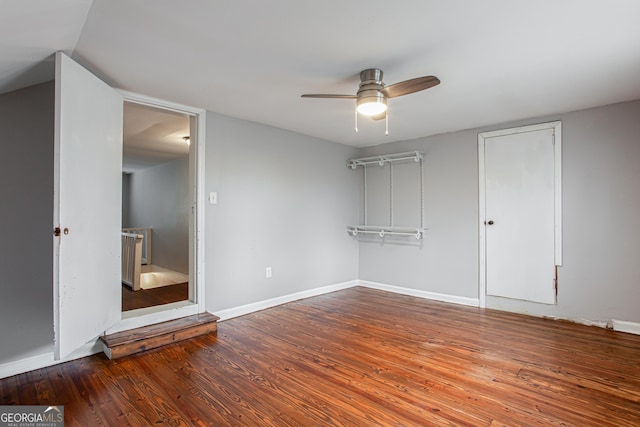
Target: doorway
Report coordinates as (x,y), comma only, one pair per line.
(520,213)
(87,214)
(156,207)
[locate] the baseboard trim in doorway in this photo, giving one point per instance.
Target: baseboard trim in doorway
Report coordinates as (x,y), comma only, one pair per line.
(262,305)
(474,302)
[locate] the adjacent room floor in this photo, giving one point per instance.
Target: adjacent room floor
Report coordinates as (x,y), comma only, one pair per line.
(133,300)
(153,276)
(357,357)
(159,286)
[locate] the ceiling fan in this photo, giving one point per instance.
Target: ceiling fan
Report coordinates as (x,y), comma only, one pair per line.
(371,97)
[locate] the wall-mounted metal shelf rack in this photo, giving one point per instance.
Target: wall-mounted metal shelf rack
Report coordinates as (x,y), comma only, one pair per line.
(384,230)
(380,160)
(390,229)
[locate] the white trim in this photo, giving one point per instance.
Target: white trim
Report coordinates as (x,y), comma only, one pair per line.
(200,201)
(164,313)
(557,151)
(482,238)
(159,103)
(626,326)
(262,305)
(556,126)
(28,364)
(597,323)
(520,129)
(44,360)
(474,302)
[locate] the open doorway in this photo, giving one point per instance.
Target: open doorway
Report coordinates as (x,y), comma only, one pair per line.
(156,207)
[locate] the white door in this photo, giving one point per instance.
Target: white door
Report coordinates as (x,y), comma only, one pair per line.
(87,206)
(519,213)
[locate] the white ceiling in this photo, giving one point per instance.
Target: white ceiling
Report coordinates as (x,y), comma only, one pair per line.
(498,60)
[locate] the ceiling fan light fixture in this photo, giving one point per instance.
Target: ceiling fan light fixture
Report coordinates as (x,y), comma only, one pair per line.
(371,105)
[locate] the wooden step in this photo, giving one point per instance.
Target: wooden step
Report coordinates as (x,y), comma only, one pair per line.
(136,340)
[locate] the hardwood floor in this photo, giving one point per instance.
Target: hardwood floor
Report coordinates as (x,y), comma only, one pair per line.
(132,300)
(358,357)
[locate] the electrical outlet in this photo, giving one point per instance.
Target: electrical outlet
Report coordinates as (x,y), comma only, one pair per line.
(268,272)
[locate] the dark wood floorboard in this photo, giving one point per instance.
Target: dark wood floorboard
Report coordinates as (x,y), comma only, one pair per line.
(358,357)
(132,300)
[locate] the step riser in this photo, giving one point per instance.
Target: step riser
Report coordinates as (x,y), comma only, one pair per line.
(155,342)
(135,341)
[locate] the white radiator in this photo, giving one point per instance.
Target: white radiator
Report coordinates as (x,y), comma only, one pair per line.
(146,242)
(131,259)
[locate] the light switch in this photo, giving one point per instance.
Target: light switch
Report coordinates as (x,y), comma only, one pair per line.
(213,198)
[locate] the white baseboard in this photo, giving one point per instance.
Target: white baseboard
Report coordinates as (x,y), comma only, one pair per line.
(625,326)
(44,360)
(474,302)
(261,305)
(587,322)
(25,365)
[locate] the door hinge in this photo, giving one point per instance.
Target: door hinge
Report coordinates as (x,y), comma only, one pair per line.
(555,281)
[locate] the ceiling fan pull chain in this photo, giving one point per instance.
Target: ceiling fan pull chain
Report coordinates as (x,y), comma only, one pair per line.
(386,124)
(356,119)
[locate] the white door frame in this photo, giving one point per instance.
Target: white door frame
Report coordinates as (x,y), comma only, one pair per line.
(183,308)
(556,127)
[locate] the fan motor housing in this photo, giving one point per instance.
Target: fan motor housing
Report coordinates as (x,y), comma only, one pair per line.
(370,89)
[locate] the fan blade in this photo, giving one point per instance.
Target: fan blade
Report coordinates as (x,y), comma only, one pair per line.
(321,95)
(380,116)
(410,86)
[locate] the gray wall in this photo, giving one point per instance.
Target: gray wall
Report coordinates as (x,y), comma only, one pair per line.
(446,260)
(601,203)
(283,201)
(159,198)
(26,213)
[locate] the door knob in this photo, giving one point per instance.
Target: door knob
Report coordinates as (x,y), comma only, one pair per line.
(490,222)
(57,231)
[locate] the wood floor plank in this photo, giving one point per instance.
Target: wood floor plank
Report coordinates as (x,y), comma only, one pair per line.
(449,397)
(348,370)
(316,374)
(143,298)
(357,357)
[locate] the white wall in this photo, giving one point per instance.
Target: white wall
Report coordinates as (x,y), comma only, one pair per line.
(283,201)
(599,279)
(26,215)
(159,198)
